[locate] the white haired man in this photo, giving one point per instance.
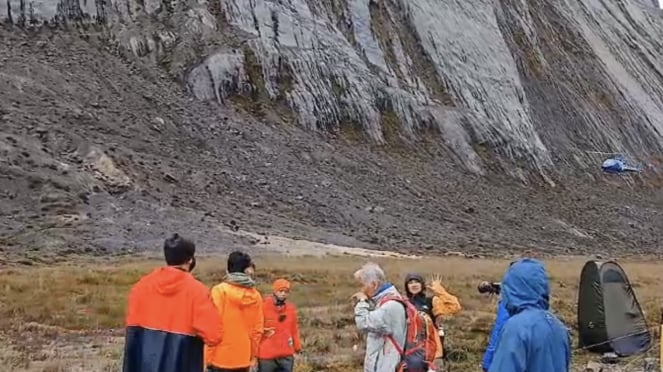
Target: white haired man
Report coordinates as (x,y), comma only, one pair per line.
(382,322)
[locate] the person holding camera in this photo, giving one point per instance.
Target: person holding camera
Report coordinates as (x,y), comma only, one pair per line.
(280,342)
(533,338)
(502,317)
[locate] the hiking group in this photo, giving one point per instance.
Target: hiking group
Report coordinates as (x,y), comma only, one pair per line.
(174,323)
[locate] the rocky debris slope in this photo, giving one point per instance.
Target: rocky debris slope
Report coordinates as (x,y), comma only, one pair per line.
(537,82)
(101,155)
(407,115)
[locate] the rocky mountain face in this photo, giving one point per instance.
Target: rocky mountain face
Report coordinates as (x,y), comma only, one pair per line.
(388,121)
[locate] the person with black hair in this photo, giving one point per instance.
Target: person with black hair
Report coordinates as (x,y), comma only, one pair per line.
(170,316)
(437,306)
(240,306)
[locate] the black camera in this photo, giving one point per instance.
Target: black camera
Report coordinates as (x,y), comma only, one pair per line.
(490,287)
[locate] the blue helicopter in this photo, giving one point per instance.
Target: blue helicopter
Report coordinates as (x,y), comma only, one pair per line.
(618,164)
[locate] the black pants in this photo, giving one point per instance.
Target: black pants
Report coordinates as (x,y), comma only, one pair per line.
(215,369)
(444,349)
(276,365)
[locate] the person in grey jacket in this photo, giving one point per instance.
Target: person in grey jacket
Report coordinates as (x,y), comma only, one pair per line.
(378,321)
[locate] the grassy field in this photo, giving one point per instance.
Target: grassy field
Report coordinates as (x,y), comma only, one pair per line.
(68,317)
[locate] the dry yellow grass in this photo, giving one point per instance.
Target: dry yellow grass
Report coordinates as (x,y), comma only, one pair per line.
(57,317)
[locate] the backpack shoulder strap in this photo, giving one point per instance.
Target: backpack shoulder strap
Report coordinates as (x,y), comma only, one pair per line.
(398,347)
(391,338)
(391,298)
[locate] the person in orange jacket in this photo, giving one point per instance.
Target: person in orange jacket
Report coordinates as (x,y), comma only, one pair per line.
(281,340)
(239,305)
(170,315)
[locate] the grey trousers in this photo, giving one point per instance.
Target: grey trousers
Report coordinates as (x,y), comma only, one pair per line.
(276,365)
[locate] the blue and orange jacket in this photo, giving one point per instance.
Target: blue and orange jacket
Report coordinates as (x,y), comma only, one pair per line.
(170,316)
(285,341)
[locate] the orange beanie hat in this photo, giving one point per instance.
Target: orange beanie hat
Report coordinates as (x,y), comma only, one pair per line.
(280,284)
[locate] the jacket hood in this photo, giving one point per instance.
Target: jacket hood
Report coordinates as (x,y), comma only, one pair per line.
(417,277)
(168,280)
(241,290)
(525,285)
(387,289)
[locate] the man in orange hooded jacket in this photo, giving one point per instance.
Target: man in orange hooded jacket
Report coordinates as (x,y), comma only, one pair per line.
(281,340)
(239,305)
(170,315)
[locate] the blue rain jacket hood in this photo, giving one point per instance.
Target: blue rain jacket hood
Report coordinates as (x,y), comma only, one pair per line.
(525,286)
(532,339)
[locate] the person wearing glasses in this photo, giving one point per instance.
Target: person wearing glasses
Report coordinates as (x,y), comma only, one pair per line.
(280,342)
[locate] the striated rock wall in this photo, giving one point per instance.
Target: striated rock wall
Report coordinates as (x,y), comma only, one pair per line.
(537,82)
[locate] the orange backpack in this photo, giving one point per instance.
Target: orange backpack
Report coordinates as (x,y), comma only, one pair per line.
(418,355)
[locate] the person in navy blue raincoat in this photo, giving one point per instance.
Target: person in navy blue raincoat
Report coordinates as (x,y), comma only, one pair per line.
(532,339)
(502,317)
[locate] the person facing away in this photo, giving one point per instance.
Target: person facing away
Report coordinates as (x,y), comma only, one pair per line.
(280,340)
(532,339)
(440,304)
(380,321)
(170,316)
(239,304)
(502,317)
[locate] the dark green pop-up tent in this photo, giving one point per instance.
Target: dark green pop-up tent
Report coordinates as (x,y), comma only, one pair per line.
(609,316)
